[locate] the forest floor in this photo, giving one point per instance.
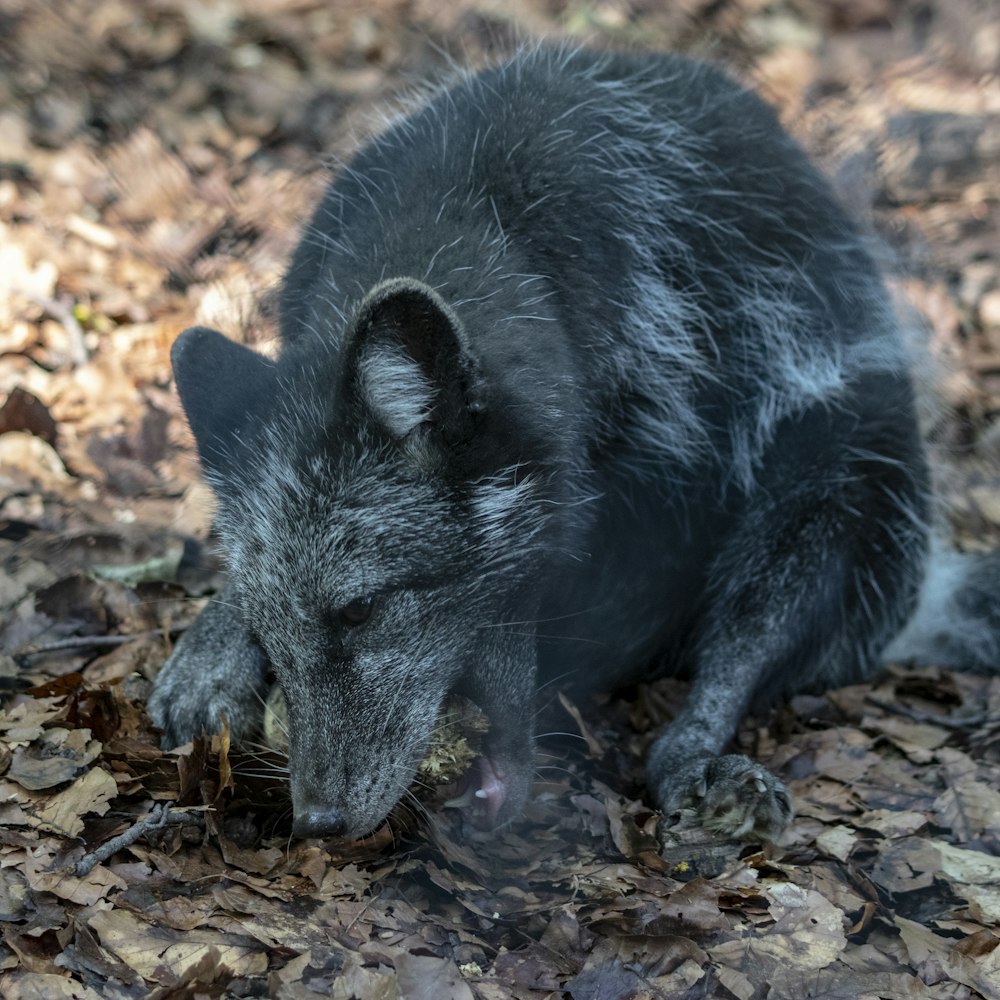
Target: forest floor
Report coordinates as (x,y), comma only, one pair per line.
(156,163)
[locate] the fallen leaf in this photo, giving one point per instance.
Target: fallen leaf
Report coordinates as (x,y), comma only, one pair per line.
(20,985)
(90,793)
(838,841)
(165,956)
(423,977)
(56,756)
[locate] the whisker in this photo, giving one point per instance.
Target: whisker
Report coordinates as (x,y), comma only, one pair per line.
(543,621)
(553,635)
(554,767)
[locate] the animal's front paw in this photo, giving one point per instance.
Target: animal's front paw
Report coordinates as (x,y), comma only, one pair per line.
(216,673)
(732,795)
(185,705)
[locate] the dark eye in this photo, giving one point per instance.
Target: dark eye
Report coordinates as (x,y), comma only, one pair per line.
(358,611)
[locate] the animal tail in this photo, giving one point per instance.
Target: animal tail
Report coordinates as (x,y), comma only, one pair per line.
(956,623)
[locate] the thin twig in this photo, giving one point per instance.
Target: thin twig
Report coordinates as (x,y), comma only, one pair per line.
(156,820)
(78,642)
(94,641)
(944,721)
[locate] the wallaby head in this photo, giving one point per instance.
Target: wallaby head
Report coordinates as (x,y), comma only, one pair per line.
(361,510)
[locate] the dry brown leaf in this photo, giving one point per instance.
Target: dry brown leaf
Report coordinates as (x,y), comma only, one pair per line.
(975,962)
(423,977)
(838,841)
(892,823)
(808,932)
(595,747)
(984,903)
(55,757)
(736,982)
(91,793)
(914,738)
(46,872)
(44,986)
(165,956)
(25,721)
(967,867)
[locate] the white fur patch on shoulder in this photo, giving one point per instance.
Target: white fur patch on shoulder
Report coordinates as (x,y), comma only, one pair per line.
(396,389)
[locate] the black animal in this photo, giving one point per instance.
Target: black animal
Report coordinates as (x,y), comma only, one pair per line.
(584,375)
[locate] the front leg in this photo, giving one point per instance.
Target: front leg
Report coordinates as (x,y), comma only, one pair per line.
(215,672)
(732,794)
(773,589)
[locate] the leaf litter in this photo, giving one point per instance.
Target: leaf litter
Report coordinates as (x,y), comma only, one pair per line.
(155,164)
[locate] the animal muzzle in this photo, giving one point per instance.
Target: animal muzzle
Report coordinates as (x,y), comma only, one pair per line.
(319,821)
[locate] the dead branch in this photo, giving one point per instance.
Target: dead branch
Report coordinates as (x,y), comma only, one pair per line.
(159,818)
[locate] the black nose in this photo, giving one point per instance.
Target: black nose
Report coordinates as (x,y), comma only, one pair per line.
(323,821)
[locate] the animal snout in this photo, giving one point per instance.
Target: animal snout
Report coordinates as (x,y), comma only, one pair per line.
(319,821)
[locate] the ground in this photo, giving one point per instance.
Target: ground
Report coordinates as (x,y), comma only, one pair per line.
(156,161)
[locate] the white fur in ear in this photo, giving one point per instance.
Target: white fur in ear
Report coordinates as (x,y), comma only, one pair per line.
(396,389)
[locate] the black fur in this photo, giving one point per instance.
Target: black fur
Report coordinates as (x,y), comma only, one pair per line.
(584,375)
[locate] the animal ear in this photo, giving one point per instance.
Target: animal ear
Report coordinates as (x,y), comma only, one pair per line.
(221,385)
(409,361)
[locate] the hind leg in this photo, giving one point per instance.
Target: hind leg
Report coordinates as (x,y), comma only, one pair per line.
(818,575)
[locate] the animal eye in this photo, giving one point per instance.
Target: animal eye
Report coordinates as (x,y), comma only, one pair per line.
(358,611)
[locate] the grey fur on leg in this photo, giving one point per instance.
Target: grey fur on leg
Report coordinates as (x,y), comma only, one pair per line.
(215,672)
